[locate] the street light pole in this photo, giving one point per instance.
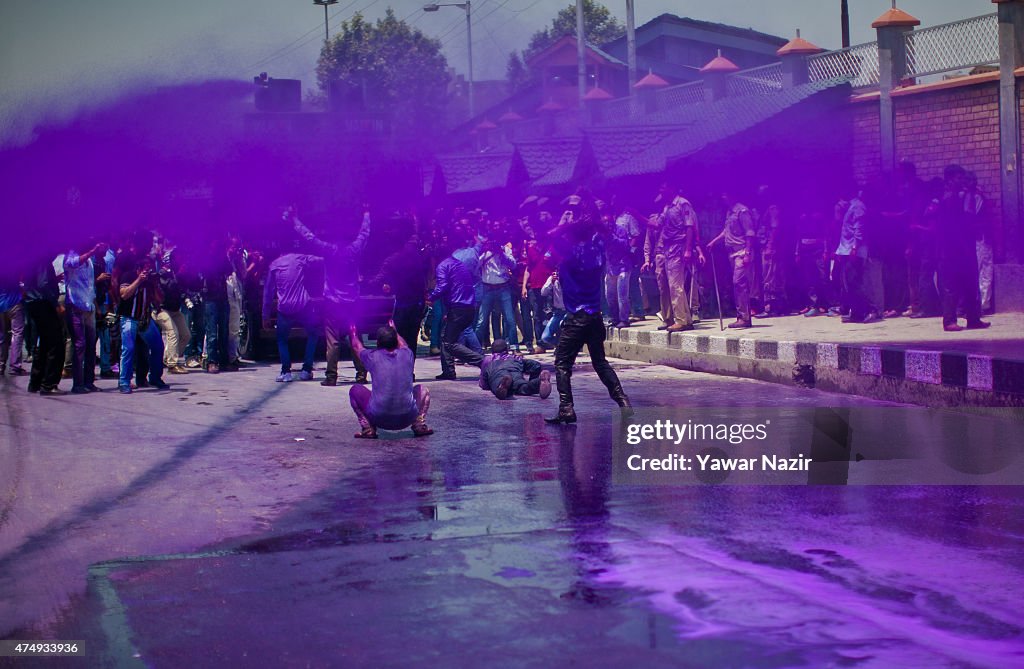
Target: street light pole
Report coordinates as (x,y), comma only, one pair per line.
(468,8)
(326,4)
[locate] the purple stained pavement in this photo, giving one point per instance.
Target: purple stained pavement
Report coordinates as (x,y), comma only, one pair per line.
(200,532)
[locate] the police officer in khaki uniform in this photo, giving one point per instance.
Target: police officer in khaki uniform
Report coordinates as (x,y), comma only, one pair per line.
(738,236)
(654,257)
(679,226)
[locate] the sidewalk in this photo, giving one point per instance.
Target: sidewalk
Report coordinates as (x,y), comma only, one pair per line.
(899,359)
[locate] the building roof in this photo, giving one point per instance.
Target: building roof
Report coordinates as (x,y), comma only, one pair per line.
(472,172)
(719,34)
(706,124)
(594,53)
(550,161)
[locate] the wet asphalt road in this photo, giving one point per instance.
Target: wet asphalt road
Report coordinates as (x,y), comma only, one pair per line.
(235,522)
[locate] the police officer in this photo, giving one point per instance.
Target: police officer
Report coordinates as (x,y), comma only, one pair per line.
(679,226)
(738,236)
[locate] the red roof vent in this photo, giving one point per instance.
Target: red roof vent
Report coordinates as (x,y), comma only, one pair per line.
(509,117)
(650,81)
(550,106)
(719,64)
(798,46)
(895,17)
(597,93)
(485,125)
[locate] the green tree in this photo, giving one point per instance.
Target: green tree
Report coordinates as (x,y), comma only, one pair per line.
(517,73)
(392,67)
(599,26)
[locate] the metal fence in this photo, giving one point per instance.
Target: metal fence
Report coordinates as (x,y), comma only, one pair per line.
(682,94)
(953,46)
(856,64)
(756,81)
(624,108)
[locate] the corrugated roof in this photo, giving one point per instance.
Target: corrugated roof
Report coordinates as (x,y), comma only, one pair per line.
(473,172)
(706,125)
(550,162)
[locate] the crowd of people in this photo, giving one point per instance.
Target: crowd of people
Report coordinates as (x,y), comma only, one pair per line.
(550,275)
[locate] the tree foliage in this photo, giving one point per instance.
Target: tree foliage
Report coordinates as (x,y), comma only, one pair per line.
(599,26)
(391,66)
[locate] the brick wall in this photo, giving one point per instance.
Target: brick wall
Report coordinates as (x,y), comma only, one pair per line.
(867,155)
(954,125)
(935,128)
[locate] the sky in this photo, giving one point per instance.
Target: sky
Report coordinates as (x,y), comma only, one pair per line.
(60,56)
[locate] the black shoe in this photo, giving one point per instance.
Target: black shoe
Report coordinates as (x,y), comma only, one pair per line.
(623,401)
(565,416)
(79,390)
(159,385)
(109,375)
(504,388)
(361,379)
(978,325)
(51,391)
(329,383)
(93,388)
(445,377)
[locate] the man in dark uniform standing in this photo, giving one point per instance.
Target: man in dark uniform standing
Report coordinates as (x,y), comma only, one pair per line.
(578,248)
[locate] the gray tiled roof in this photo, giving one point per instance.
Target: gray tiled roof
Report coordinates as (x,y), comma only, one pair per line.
(700,125)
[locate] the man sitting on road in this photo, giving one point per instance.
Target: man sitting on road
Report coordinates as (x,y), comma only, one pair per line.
(502,373)
(394,403)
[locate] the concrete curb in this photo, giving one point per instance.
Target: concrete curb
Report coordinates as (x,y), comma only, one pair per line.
(892,373)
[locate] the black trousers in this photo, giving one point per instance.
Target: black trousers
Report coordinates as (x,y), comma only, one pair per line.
(48,361)
(958,276)
(407,321)
(457,320)
(578,330)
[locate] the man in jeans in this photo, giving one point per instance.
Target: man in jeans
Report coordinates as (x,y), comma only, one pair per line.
(455,285)
(577,243)
(80,311)
(503,373)
(135,285)
(341,290)
(12,320)
(538,270)
(619,264)
(286,281)
(497,263)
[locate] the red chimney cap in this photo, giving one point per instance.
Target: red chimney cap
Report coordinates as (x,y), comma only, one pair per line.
(509,117)
(798,46)
(485,125)
(895,17)
(651,80)
(719,64)
(550,106)
(597,93)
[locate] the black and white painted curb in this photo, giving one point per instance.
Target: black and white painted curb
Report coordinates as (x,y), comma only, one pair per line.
(958,370)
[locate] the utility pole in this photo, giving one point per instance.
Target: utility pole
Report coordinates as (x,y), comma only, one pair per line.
(581,51)
(468,8)
(631,44)
(844,17)
(326,4)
